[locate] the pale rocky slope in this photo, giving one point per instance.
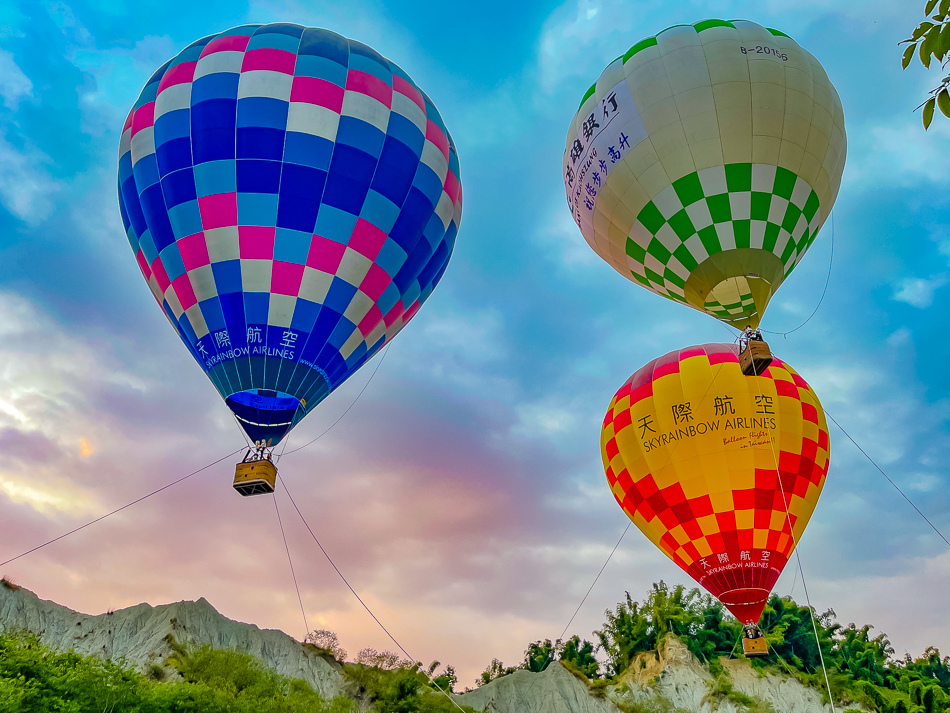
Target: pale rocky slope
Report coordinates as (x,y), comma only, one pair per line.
(137,637)
(673,675)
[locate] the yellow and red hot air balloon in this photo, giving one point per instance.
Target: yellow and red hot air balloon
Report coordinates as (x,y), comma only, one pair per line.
(720,470)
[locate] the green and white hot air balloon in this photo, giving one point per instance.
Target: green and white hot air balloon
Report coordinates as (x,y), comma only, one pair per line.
(704,161)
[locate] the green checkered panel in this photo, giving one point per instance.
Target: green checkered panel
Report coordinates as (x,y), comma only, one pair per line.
(739,205)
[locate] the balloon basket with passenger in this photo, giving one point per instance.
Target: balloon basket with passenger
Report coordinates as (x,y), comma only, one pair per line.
(753,641)
(754,353)
(256,474)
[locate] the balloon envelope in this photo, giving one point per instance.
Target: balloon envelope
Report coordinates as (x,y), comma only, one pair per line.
(704,161)
(718,469)
(292,198)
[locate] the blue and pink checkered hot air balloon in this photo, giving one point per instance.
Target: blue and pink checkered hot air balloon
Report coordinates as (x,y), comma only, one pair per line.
(292,198)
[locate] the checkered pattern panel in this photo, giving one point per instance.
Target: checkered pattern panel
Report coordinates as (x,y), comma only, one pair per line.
(731,299)
(718,469)
(291,198)
(716,209)
(701,141)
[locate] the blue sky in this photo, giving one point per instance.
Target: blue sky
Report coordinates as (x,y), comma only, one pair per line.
(462,494)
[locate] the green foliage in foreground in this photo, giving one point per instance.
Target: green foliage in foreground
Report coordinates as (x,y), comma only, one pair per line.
(36,679)
(861,667)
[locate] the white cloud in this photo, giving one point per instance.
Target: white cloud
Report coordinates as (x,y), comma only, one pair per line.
(917,291)
(14,85)
(26,189)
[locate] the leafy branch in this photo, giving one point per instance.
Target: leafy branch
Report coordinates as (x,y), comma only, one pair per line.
(931,41)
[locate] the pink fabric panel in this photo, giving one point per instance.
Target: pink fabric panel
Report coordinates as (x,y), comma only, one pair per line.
(256,243)
(286,277)
(366,83)
(438,137)
(369,322)
(325,255)
(179,74)
(144,117)
(366,239)
(194,251)
(375,282)
(185,292)
(218,210)
(160,275)
(311,90)
(270,59)
(403,87)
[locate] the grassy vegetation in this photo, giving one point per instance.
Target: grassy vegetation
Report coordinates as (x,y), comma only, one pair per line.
(36,679)
(861,667)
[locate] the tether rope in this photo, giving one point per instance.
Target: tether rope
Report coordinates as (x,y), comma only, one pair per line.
(798,556)
(903,494)
(280,522)
(623,534)
(823,291)
(350,587)
(128,505)
(325,432)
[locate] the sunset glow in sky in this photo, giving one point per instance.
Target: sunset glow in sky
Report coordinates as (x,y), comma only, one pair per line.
(462,493)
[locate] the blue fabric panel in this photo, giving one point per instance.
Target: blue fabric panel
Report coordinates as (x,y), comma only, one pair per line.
(414,263)
(321,68)
(415,214)
(130,199)
(388,299)
(324,43)
(428,183)
(214,177)
(227,279)
(255,176)
(256,307)
(260,142)
(305,316)
(145,171)
(397,168)
(335,224)
(242,30)
(156,215)
(391,257)
(179,187)
(291,29)
(147,246)
(435,264)
(171,261)
(185,218)
(213,145)
(219,88)
(173,155)
(340,295)
(185,327)
(379,211)
(307,150)
(297,213)
(360,135)
(326,320)
(213,316)
(262,112)
(366,59)
(173,125)
(291,246)
(302,181)
(257,209)
(403,130)
(268,38)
